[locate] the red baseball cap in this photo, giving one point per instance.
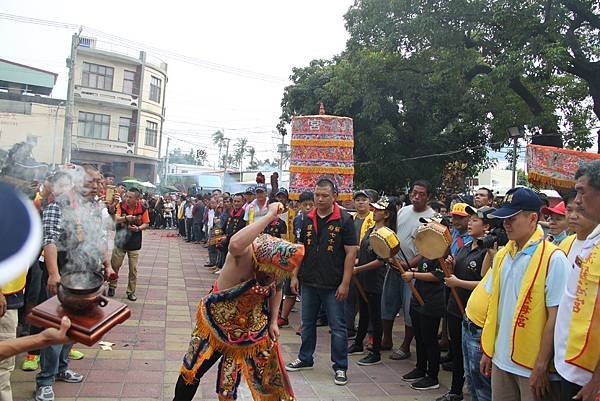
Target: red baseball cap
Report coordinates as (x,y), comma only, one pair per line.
(558,209)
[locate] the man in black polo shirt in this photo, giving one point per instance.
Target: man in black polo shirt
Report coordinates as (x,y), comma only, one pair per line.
(329,238)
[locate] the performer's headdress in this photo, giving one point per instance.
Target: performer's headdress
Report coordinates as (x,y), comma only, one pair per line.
(276,255)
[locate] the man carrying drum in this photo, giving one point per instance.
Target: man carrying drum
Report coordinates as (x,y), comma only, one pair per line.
(396,294)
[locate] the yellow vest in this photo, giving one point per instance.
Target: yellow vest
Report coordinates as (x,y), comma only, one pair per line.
(567,243)
(530,315)
(583,344)
(477,306)
(368,223)
(14,286)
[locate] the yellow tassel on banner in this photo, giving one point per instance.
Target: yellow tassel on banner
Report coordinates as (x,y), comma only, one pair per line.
(321,170)
(539,179)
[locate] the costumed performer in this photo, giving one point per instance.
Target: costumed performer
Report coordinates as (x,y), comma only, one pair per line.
(237,321)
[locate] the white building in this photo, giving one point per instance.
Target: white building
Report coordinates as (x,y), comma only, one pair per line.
(119,110)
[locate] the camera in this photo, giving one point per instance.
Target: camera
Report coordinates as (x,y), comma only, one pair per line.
(496,235)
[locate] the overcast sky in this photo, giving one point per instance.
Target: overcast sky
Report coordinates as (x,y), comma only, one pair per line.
(267,37)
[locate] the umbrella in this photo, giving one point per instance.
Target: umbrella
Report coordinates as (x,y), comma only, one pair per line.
(133,182)
(148,184)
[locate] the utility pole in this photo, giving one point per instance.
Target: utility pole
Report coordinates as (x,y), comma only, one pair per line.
(515,133)
(70,105)
(225,163)
(167,162)
(281,149)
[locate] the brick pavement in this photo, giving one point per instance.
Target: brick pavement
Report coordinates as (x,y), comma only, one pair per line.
(144,362)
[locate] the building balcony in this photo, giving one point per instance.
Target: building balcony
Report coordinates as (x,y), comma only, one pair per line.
(102,145)
(105,97)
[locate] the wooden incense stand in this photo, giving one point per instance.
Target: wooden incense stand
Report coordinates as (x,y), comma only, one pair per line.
(86,329)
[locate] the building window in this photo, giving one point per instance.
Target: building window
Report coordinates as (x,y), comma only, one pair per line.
(93,125)
(155,89)
(124,124)
(129,82)
(151,133)
(97,76)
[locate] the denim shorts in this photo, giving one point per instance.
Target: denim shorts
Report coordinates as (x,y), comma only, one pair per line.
(396,295)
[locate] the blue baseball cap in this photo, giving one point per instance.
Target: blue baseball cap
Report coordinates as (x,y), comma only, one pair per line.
(517,200)
(282,191)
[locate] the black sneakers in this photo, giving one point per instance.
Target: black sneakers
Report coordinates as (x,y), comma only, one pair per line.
(355,349)
(297,365)
(340,377)
(371,359)
(426,383)
(413,375)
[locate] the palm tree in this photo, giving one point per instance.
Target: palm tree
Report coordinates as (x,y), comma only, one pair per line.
(251,152)
(218,138)
(239,153)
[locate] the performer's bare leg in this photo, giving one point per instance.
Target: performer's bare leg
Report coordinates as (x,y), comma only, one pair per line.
(186,392)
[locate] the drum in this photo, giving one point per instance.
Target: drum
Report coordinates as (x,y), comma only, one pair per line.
(384,242)
(432,240)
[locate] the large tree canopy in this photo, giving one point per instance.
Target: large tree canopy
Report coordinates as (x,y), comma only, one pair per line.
(423,77)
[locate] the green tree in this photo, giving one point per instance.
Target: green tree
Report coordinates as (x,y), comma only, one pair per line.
(423,77)
(251,152)
(240,147)
(498,45)
(218,138)
(522,178)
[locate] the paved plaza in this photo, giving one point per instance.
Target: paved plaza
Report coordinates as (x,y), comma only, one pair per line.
(144,362)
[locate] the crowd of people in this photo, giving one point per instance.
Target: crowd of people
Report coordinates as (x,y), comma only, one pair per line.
(514,301)
(514,307)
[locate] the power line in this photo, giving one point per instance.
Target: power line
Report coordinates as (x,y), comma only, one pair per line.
(117,40)
(452,152)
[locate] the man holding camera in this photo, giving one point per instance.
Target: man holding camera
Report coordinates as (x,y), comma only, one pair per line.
(526,285)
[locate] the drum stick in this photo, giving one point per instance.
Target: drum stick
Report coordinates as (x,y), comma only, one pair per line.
(414,291)
(447,273)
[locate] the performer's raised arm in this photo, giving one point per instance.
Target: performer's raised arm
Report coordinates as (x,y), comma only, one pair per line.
(243,238)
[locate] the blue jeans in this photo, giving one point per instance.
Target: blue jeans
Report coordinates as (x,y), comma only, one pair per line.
(312,298)
(480,386)
(53,360)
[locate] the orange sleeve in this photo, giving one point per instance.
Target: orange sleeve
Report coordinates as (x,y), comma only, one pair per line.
(145,217)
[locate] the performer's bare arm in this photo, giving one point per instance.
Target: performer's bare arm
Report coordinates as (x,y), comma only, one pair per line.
(242,240)
(274,303)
